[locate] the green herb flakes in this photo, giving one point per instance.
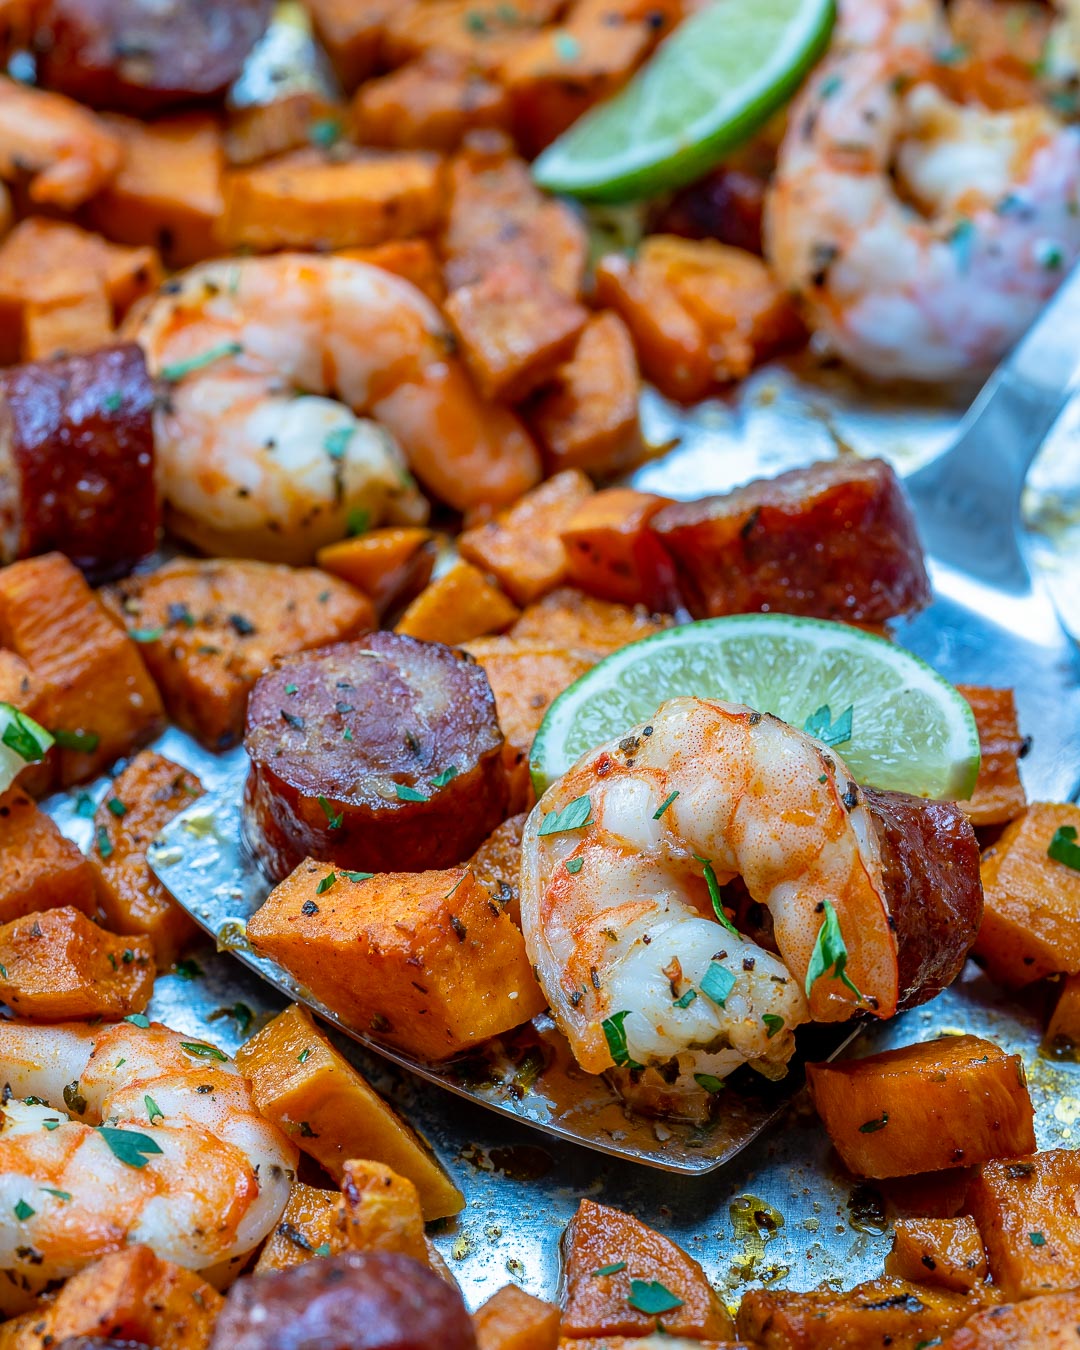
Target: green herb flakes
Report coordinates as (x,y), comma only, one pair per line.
(829,956)
(575,816)
(146,635)
(138,1020)
(153,1111)
(116,806)
(613,1269)
(64,1196)
(134,1150)
(23,1211)
(1037,1239)
(872,1126)
(103,842)
(615,1036)
(1064,848)
(86,742)
(709,1082)
(333,820)
(188,969)
(203,1051)
(447,776)
(336,442)
(84,806)
(409,794)
(717,983)
(709,873)
(821,725)
(652,1297)
(179,369)
(304,1054)
(665,804)
(574,865)
(325,884)
(773,1024)
(358,876)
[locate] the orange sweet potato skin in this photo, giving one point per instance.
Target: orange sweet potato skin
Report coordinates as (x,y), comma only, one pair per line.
(1062,1040)
(40,868)
(152,790)
(956,1101)
(612,553)
(95,685)
(511,1319)
(886,1312)
(391,566)
(221,622)
(1031,913)
(427,105)
(1045,1323)
(1026,1210)
(597,1305)
(312,1219)
(999,795)
(497,863)
(944,1252)
(420,960)
(457,606)
(58,966)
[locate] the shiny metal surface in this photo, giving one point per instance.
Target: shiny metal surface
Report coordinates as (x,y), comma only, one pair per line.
(813,1222)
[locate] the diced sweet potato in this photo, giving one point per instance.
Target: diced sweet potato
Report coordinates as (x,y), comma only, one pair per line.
(1045,1323)
(58,967)
(311,1224)
(297,1077)
(945,1252)
(612,553)
(460,605)
(420,960)
(1062,1040)
(955,1101)
(263,130)
(660,1341)
(588,417)
(351,31)
(701,313)
(1031,913)
(483,35)
(999,794)
(496,212)
(97,699)
(888,1312)
(151,790)
(304,200)
(21,687)
(607,1255)
(382,1210)
(514,328)
(521,546)
(497,863)
(390,565)
(427,105)
(413,259)
(836,540)
(1026,1209)
(568,618)
(41,869)
(79,321)
(511,1319)
(215,625)
(168,191)
(131,1296)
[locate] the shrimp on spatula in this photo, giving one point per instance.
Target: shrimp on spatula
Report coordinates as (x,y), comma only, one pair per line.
(627,924)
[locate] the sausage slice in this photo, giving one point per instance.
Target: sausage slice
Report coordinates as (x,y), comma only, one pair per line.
(381,755)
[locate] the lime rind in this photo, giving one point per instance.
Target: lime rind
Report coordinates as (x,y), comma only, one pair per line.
(644,140)
(913,731)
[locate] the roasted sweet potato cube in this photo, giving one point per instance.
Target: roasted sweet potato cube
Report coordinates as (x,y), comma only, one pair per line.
(521,545)
(1045,1323)
(568,618)
(78,322)
(131,1296)
(21,687)
(297,1078)
(151,790)
(390,565)
(514,329)
(999,794)
(382,1210)
(881,1312)
(460,605)
(412,259)
(1062,1040)
(836,540)
(587,418)
(41,868)
(264,130)
(1031,914)
(945,1252)
(168,190)
(421,960)
(511,1319)
(59,966)
(98,699)
(311,1224)
(481,36)
(216,625)
(657,1342)
(599,1301)
(957,1101)
(497,863)
(304,200)
(496,212)
(1026,1209)
(613,554)
(351,31)
(427,105)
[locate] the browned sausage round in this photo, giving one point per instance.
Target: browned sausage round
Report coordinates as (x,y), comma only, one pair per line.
(355,1301)
(97,1343)
(930,860)
(141,56)
(77,453)
(381,755)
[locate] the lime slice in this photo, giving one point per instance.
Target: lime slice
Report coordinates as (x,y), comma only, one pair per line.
(708,88)
(910,730)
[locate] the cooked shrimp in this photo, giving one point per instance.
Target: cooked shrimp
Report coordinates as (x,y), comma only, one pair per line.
(257,456)
(187,1165)
(68,152)
(617,913)
(934,273)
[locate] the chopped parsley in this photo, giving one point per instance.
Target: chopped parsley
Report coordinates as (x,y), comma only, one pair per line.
(717,983)
(104,843)
(86,741)
(1037,1239)
(686,999)
(773,1024)
(179,369)
(872,1126)
(323,1249)
(203,1051)
(302,1057)
(574,865)
(153,1111)
(325,132)
(613,1269)
(1064,848)
(615,1036)
(325,884)
(116,806)
(292,689)
(138,1020)
(447,776)
(188,969)
(328,811)
(714,894)
(821,725)
(358,876)
(146,635)
(358,521)
(575,816)
(23,735)
(84,806)
(23,1211)
(665,804)
(830,955)
(567,47)
(709,1082)
(652,1297)
(128,1147)
(113,402)
(60,1195)
(409,794)
(336,442)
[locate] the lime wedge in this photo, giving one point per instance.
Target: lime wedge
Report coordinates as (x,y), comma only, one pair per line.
(708,88)
(907,729)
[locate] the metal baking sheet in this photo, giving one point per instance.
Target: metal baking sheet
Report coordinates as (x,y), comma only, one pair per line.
(782,1211)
